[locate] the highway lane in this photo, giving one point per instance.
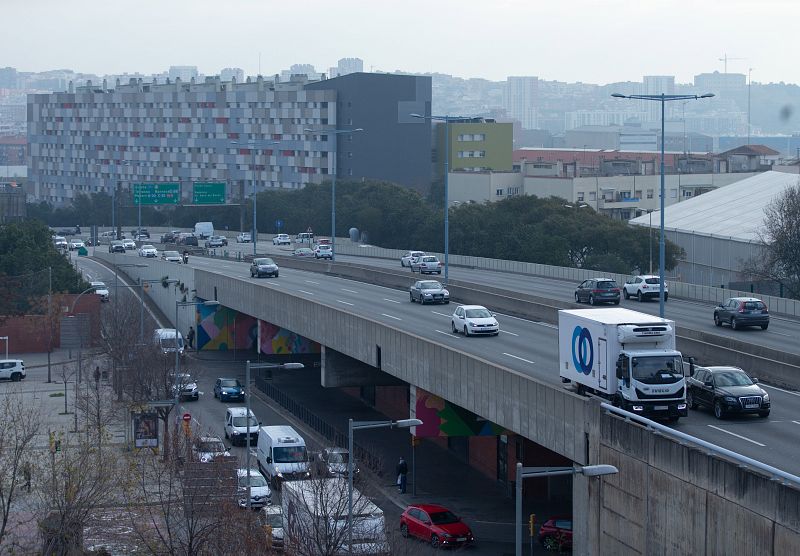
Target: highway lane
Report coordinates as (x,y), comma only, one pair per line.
(527,347)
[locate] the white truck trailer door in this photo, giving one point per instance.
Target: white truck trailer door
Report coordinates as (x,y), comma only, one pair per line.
(602,367)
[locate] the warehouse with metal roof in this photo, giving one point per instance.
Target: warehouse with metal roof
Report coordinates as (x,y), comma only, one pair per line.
(719,230)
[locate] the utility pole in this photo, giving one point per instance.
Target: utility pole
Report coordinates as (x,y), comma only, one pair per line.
(49,320)
(749,84)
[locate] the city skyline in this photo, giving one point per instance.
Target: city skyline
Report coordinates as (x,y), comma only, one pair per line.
(632,40)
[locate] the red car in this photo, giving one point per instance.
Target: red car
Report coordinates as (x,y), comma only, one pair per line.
(556,533)
(435,524)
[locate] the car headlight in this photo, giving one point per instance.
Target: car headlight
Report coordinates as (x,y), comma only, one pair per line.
(427,295)
(235,433)
(765,397)
(470,323)
(730,399)
(445,292)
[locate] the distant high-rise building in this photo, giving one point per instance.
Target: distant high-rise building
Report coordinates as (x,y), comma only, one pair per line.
(656,85)
(229,74)
(185,73)
(8,78)
(521,99)
(301,69)
(350,65)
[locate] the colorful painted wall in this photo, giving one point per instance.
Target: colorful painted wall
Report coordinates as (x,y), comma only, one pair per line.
(442,418)
(279,341)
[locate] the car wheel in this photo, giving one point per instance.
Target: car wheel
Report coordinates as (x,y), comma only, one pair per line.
(764,326)
(16,377)
(550,543)
(734,323)
(226,435)
(411,297)
(717,320)
(591,300)
(435,543)
(616,302)
(719,411)
(690,403)
(763,413)
(453,327)
(447,302)
(276,275)
(466,330)
(577,298)
(404,530)
(639,296)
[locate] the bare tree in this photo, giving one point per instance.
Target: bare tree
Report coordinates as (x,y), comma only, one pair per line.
(95,402)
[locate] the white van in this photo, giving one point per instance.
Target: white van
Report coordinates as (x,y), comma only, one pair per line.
(281,454)
(237,426)
(13,369)
(164,338)
(204,230)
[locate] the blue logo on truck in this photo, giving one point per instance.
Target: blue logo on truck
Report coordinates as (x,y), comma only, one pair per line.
(582,349)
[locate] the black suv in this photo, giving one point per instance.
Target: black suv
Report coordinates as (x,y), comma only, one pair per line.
(726,390)
(597,290)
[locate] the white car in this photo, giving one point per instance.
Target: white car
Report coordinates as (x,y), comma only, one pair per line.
(323,252)
(238,426)
(12,369)
(260,495)
(644,287)
(206,448)
(171,257)
(148,251)
(243,237)
(129,244)
(406,259)
(426,264)
(76,244)
(474,320)
(60,242)
(101,290)
(281,239)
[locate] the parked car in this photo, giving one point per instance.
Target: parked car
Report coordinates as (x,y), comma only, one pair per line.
(323,252)
(429,291)
(281,239)
(217,241)
(435,524)
(187,386)
(129,244)
(244,237)
(260,495)
(148,251)
(332,461)
(263,266)
(406,259)
(303,252)
(739,312)
(228,389)
(474,320)
(644,287)
(726,390)
(75,244)
(273,518)
(171,257)
(12,369)
(100,289)
(187,238)
(206,448)
(597,290)
(426,264)
(116,246)
(237,426)
(556,533)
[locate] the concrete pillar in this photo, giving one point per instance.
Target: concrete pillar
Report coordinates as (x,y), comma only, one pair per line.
(339,370)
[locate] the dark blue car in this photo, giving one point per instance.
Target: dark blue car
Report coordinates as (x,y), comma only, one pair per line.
(228,389)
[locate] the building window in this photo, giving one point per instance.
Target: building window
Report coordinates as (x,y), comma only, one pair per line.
(592,195)
(649,193)
(498,192)
(673,193)
(687,193)
(580,195)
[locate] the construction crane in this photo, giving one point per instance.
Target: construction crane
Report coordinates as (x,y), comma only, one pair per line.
(725,59)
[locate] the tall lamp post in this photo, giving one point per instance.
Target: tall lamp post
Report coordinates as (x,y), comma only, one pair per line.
(210,303)
(360,425)
(6,339)
(335,133)
(250,367)
(253,145)
(532,472)
(663,99)
(446,120)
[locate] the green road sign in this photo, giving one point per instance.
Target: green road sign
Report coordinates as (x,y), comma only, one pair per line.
(157,193)
(208,193)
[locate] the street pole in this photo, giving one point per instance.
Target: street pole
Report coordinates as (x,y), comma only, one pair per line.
(49,320)
(661,247)
(350,485)
(6,339)
(749,83)
(333,196)
(141,308)
(446,199)
(518,511)
(255,195)
(247,417)
(650,214)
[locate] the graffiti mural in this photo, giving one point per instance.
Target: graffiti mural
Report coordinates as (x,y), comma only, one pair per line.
(276,340)
(442,418)
(221,329)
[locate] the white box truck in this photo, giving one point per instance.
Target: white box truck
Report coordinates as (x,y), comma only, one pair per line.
(281,454)
(315,519)
(625,356)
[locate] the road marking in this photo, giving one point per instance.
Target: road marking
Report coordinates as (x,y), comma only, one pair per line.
(442,314)
(520,358)
(507,332)
(796,422)
(779,389)
(450,334)
(737,435)
(311,282)
(344,302)
(391,317)
(304,291)
(391,300)
(537,322)
(349,291)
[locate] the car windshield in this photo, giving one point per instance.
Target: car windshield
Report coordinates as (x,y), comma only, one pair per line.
(442,518)
(657,369)
(262,262)
(293,454)
(171,254)
(430,286)
(651,280)
(211,446)
(274,520)
(478,314)
(256,480)
(169,343)
(99,285)
(337,457)
(148,247)
(242,421)
(231,383)
(607,285)
(731,378)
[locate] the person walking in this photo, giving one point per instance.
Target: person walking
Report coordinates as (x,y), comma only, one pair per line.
(190,337)
(402,471)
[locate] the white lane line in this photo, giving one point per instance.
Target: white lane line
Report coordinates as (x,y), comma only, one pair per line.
(344,302)
(796,422)
(391,317)
(450,334)
(737,435)
(507,332)
(779,389)
(311,282)
(304,291)
(546,324)
(442,314)
(391,300)
(520,358)
(349,291)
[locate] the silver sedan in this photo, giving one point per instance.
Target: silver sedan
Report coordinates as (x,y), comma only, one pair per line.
(429,291)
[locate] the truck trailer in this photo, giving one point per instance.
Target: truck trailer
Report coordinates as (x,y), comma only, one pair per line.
(624,356)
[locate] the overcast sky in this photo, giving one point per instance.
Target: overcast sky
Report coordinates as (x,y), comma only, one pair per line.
(592,41)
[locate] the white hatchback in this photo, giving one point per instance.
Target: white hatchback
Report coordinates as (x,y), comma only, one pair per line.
(406,259)
(474,320)
(281,239)
(148,251)
(260,495)
(12,369)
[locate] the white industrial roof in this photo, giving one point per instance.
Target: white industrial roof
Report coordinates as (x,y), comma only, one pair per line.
(735,211)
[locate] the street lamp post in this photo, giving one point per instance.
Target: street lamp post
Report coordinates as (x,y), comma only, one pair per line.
(249,367)
(335,133)
(531,472)
(6,339)
(253,145)
(178,304)
(663,99)
(650,214)
(360,425)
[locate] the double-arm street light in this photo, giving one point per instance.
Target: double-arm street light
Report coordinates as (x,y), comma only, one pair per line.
(253,145)
(335,133)
(663,99)
(251,367)
(178,304)
(532,472)
(361,425)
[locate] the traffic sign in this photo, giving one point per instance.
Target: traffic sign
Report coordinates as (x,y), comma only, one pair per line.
(187,416)
(208,193)
(168,193)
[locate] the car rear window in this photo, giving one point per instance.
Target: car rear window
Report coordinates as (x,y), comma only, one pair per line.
(651,280)
(607,285)
(754,305)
